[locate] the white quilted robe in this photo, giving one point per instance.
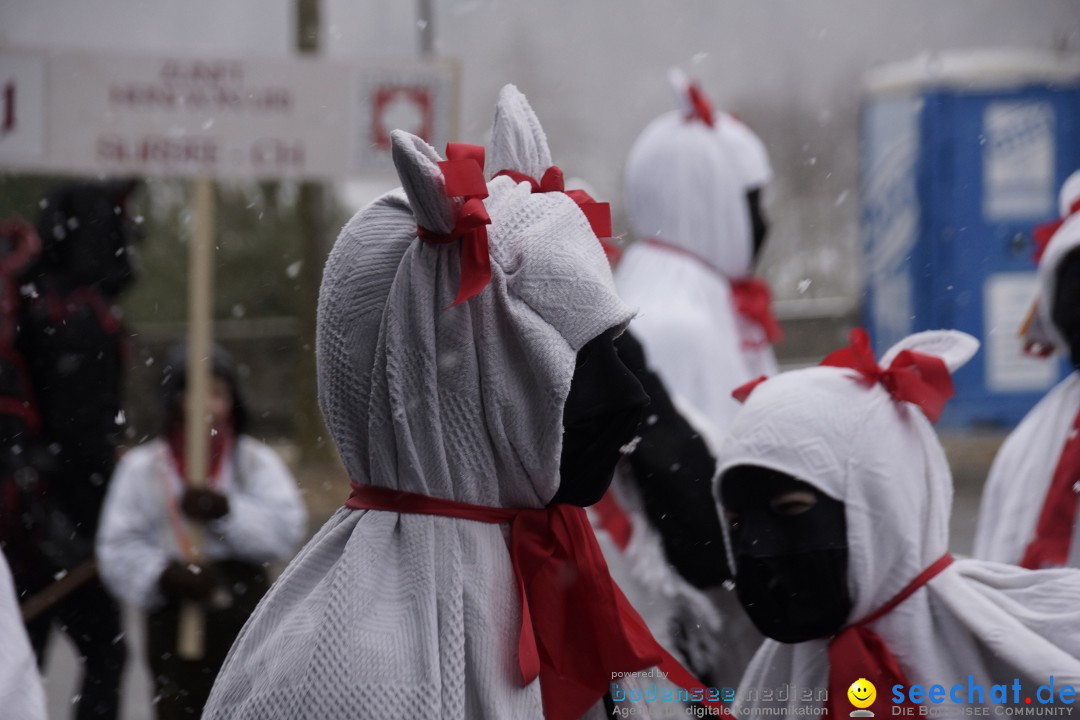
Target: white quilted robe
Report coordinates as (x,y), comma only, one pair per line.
(686,183)
(1024,466)
(856,444)
(21,693)
(387,615)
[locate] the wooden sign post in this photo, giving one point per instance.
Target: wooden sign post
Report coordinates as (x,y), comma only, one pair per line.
(196,412)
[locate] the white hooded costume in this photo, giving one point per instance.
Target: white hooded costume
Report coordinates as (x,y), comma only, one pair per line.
(21,693)
(686,184)
(849,438)
(389,614)
(1020,478)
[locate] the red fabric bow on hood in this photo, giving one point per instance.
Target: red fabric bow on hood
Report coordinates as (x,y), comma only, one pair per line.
(463,176)
(912,377)
(702,109)
(597,213)
(1043,234)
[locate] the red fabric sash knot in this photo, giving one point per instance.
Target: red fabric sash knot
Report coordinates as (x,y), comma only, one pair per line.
(1042,234)
(597,213)
(614,520)
(463,176)
(1050,544)
(577,628)
(702,109)
(912,377)
(753,300)
(859,652)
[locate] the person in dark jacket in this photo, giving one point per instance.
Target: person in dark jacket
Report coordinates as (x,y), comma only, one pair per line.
(71,342)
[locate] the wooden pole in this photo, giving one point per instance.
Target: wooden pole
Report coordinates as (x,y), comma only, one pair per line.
(192,626)
(45,599)
(311,205)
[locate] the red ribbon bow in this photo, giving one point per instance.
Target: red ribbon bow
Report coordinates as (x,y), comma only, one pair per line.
(597,213)
(702,109)
(912,377)
(1043,234)
(859,652)
(743,391)
(463,176)
(753,300)
(577,628)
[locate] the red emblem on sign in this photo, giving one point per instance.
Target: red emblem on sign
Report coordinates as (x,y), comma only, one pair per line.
(401,107)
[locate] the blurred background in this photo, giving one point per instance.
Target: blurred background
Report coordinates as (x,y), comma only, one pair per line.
(806,76)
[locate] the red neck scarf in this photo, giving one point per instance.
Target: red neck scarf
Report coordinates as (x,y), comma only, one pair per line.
(577,628)
(859,652)
(220,444)
(753,300)
(1049,547)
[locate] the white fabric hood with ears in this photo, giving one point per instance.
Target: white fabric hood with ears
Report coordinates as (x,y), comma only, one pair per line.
(683,185)
(385,615)
(881,458)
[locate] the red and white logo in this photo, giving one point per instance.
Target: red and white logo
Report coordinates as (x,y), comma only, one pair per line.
(409,108)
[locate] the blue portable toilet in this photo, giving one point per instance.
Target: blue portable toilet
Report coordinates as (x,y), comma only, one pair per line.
(961,156)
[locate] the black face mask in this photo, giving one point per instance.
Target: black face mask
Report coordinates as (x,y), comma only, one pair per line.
(790,546)
(758,226)
(602,412)
(1065,313)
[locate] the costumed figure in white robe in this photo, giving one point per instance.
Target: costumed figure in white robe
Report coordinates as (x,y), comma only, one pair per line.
(705,322)
(251,513)
(461,579)
(839,495)
(1029,503)
(693,190)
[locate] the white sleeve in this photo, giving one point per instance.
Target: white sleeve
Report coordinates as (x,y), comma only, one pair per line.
(21,691)
(267,517)
(129,553)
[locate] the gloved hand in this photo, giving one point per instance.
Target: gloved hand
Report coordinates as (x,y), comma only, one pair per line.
(204,504)
(188,581)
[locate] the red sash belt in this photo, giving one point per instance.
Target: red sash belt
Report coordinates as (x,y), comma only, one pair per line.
(577,628)
(859,652)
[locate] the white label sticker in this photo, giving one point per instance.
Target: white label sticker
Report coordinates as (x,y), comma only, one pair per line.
(1007,298)
(1018,160)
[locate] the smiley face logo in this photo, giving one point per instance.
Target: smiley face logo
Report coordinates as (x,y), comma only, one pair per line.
(862,693)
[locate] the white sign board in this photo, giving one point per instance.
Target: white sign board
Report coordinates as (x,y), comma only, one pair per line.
(213,117)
